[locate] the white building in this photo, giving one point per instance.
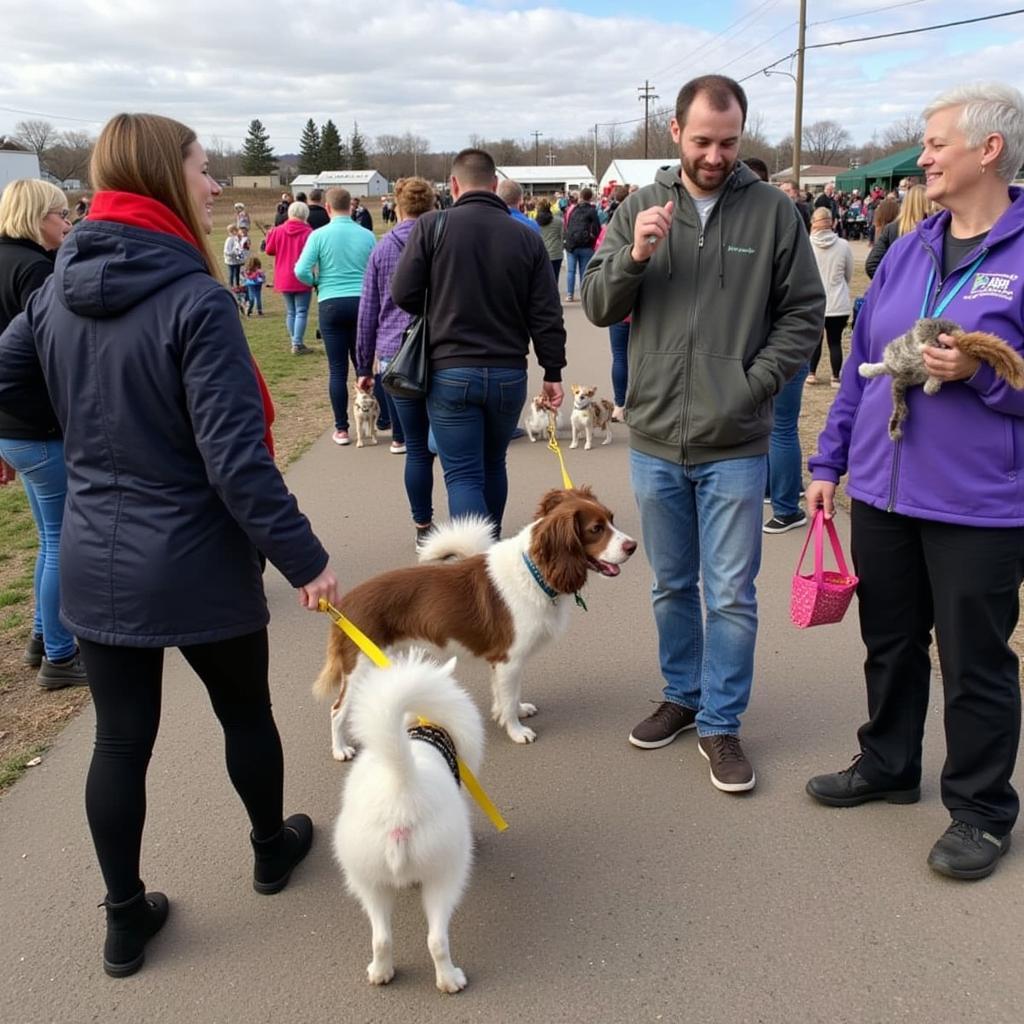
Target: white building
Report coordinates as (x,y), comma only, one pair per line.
(812,176)
(559,178)
(303,183)
(359,183)
(635,172)
(16,162)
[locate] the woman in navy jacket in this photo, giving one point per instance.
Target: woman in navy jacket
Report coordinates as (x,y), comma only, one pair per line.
(173,498)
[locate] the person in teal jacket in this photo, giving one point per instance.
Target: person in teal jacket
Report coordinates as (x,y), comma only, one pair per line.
(334,261)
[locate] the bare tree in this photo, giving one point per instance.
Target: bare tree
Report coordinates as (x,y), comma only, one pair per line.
(386,155)
(755,143)
(225,160)
(413,148)
(69,158)
(39,136)
(902,134)
(826,142)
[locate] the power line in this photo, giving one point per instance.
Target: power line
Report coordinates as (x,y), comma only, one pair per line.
(52,117)
(870,10)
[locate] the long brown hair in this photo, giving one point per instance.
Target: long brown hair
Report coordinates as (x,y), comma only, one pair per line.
(144,154)
(888,210)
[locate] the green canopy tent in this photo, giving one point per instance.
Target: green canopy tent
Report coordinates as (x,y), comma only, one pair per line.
(886,172)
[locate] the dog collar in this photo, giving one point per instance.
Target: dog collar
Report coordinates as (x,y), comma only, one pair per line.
(439,739)
(535,573)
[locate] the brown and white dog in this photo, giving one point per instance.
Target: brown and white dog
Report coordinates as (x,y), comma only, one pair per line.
(365,411)
(540,417)
(498,600)
(588,415)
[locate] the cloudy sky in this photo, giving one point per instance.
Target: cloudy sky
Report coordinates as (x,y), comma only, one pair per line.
(497,68)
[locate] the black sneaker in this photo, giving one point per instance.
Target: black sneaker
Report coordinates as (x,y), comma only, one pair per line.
(423,534)
(33,656)
(731,772)
(849,788)
(661,727)
(55,675)
(780,524)
(966,851)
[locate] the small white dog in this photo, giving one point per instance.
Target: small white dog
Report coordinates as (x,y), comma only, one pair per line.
(588,415)
(365,411)
(539,416)
(404,820)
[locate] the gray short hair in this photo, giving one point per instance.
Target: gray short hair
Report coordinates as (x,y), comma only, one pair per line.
(511,192)
(989,107)
(298,211)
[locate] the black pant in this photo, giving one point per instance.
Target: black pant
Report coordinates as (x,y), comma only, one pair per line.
(834,327)
(964,580)
(126,688)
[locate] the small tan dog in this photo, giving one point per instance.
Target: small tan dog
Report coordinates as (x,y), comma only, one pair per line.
(589,414)
(365,410)
(539,418)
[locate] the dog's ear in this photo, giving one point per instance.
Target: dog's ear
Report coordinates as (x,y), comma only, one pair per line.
(558,551)
(550,501)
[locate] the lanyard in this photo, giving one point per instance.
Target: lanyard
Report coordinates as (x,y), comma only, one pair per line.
(941,307)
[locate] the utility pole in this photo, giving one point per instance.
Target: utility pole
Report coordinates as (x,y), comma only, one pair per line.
(798,117)
(593,170)
(647,94)
(536,148)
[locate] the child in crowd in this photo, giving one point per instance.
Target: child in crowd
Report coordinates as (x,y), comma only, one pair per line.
(233,257)
(254,281)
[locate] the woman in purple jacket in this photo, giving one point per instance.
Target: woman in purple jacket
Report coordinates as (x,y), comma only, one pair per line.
(937,517)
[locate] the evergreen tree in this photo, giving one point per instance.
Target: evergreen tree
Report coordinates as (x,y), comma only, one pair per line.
(357,150)
(332,156)
(257,153)
(309,149)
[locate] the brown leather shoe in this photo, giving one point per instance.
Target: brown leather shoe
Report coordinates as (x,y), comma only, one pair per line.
(661,727)
(731,772)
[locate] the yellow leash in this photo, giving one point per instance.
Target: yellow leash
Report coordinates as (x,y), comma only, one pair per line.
(381,660)
(553,447)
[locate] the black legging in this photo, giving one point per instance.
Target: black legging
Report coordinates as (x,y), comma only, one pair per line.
(834,327)
(126,688)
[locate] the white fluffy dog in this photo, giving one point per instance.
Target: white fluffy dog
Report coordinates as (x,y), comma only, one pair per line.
(403,817)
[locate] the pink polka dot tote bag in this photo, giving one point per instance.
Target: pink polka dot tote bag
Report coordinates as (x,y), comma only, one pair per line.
(821,596)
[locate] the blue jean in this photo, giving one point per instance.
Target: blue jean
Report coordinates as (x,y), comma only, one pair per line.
(41,467)
(411,419)
(473,411)
(254,297)
(784,456)
(701,529)
(618,334)
(296,306)
(576,261)
(338,320)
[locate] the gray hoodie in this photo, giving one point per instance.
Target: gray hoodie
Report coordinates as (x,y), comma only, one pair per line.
(722,316)
(835,264)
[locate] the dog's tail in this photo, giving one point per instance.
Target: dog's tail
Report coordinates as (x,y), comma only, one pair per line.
(388,701)
(989,348)
(461,538)
(332,676)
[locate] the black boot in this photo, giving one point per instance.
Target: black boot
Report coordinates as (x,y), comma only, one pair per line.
(130,925)
(277,856)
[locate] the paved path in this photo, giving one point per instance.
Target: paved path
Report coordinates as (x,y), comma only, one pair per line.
(627,888)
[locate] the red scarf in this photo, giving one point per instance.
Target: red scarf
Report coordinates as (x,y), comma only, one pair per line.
(152,215)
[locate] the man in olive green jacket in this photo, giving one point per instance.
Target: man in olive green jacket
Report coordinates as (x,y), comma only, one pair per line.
(717,272)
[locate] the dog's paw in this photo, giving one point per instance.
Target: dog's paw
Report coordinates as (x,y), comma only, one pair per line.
(374,440)
(381,973)
(587,447)
(527,710)
(359,443)
(575,444)
(451,981)
(519,733)
(345,753)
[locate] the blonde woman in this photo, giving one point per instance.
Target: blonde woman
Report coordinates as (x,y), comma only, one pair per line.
(173,500)
(33,223)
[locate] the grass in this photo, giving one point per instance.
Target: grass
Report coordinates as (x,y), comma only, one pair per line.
(14,766)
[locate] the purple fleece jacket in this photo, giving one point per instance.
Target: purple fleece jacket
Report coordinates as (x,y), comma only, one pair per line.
(961,458)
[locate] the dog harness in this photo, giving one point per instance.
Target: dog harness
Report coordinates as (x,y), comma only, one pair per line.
(439,739)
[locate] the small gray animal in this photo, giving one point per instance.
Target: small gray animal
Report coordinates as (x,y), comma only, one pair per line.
(902,358)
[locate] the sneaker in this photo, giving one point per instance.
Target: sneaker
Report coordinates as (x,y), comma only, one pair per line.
(849,788)
(811,379)
(967,852)
(618,414)
(397,447)
(731,772)
(341,437)
(33,656)
(423,534)
(661,727)
(301,350)
(835,383)
(55,675)
(780,524)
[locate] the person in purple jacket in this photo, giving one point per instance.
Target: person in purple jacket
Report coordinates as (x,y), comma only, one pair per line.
(379,333)
(937,517)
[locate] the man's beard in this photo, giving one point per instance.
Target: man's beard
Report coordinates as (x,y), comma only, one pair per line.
(707,180)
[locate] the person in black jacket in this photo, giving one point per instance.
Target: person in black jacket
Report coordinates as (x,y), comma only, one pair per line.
(581,231)
(173,499)
(491,291)
(361,215)
(318,215)
(33,223)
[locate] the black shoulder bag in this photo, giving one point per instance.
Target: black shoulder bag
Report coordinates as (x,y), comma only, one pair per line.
(408,374)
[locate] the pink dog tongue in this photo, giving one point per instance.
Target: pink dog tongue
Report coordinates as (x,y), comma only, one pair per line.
(605,568)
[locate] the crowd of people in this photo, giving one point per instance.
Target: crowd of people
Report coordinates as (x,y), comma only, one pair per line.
(137,310)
